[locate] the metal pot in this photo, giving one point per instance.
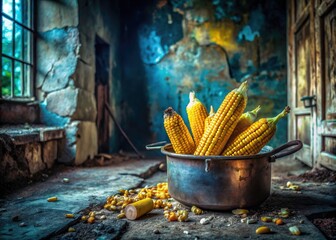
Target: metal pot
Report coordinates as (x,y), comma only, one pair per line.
(221,182)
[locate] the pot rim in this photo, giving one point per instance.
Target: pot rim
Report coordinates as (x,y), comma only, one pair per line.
(167,149)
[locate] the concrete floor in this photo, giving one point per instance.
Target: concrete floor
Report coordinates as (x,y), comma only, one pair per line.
(26,214)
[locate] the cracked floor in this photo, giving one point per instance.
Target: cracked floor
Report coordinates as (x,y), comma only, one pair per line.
(26,214)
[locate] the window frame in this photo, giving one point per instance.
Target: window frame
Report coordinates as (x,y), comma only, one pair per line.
(31,79)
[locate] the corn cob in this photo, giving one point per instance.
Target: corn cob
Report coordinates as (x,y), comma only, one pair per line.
(178,132)
(209,118)
(244,122)
(197,113)
(252,140)
(223,123)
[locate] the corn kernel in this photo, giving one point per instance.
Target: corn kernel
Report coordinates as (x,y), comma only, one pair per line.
(295,230)
(121,215)
(69,215)
(91,220)
(240,211)
(266,219)
(71,229)
(84,218)
(52,199)
(279,221)
(263,230)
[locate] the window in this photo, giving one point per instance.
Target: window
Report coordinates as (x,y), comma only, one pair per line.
(17,49)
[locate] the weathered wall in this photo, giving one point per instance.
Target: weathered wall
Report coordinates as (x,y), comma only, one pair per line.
(100,18)
(174,47)
(66,69)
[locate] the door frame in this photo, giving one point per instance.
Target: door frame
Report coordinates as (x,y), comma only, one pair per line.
(306,155)
(323,158)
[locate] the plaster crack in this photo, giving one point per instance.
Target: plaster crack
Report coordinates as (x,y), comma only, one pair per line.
(46,75)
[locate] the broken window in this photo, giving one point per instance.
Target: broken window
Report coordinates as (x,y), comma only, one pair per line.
(17,34)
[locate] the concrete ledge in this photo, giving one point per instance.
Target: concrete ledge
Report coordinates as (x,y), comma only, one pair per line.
(26,150)
(23,134)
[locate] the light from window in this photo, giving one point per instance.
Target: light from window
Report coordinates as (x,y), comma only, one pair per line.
(17,34)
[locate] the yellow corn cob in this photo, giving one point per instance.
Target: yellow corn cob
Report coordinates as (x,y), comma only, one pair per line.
(178,132)
(244,122)
(209,118)
(197,113)
(252,140)
(223,123)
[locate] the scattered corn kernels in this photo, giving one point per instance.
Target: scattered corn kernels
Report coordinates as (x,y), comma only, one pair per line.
(71,229)
(182,215)
(196,210)
(263,230)
(295,230)
(293,186)
(84,218)
(284,212)
(240,211)
(69,215)
(266,219)
(121,215)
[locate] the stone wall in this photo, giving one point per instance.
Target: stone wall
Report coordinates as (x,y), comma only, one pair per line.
(26,151)
(66,69)
(100,18)
(173,47)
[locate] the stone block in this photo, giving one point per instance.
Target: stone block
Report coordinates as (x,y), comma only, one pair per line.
(63,102)
(87,142)
(73,102)
(84,76)
(81,142)
(87,47)
(33,155)
(57,52)
(58,76)
(86,106)
(57,14)
(50,153)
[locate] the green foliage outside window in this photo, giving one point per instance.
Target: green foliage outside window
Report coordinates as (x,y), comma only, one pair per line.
(16,48)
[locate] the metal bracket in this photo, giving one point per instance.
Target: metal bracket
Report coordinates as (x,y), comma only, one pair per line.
(309,101)
(207,165)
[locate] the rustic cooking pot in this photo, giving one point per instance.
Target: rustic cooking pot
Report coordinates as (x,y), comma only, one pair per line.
(222,182)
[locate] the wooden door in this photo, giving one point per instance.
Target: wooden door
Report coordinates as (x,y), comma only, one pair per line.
(311,76)
(301,81)
(326,83)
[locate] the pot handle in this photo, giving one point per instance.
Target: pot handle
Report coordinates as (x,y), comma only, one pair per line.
(157,145)
(285,150)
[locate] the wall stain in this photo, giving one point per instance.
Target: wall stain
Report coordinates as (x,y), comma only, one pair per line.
(214,45)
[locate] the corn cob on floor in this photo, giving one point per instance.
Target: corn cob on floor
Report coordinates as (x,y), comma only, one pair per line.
(88,189)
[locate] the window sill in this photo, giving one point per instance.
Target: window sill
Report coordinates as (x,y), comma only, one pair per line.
(30,100)
(19,112)
(23,134)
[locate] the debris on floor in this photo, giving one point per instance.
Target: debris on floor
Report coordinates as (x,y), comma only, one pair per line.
(319,175)
(281,215)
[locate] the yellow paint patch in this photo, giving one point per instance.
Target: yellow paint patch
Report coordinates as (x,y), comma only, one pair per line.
(221,33)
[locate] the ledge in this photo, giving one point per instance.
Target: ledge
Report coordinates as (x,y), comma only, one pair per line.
(22,134)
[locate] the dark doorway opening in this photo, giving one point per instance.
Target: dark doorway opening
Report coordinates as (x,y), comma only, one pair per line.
(102,52)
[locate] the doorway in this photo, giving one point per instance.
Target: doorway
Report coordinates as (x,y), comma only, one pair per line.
(102,54)
(312,79)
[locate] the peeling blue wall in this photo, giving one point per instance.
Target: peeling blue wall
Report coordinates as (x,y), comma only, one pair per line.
(173,47)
